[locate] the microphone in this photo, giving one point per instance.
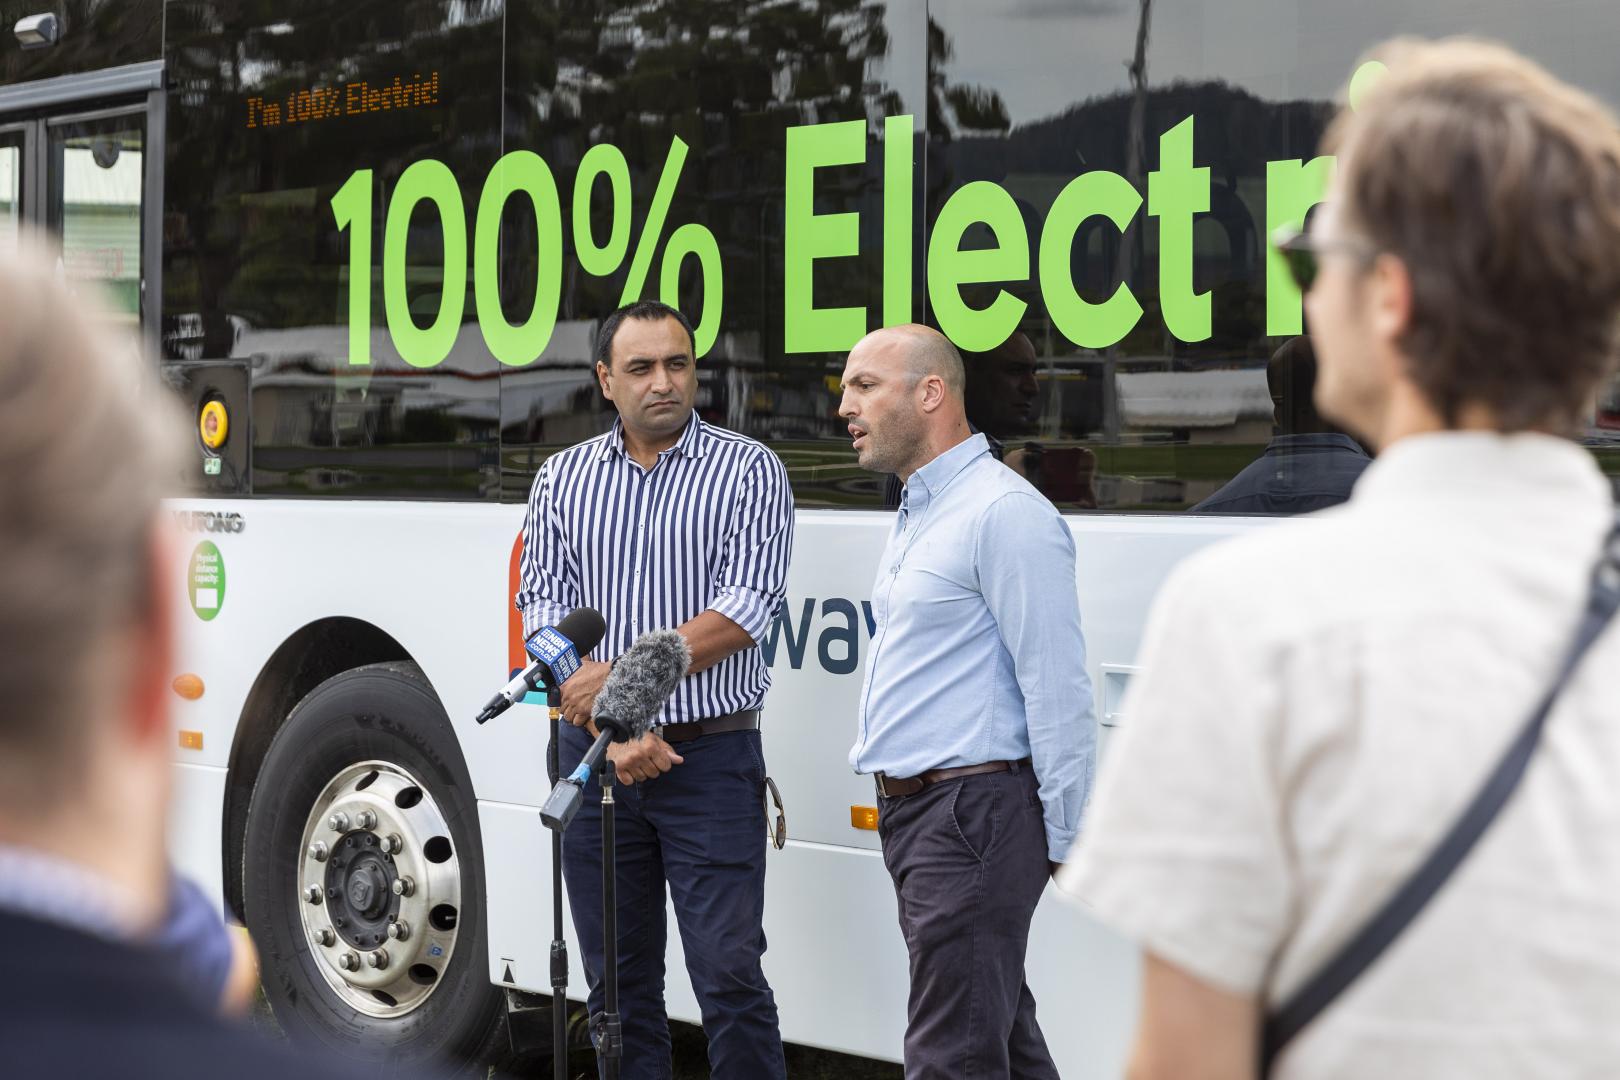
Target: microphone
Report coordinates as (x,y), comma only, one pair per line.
(641,681)
(556,651)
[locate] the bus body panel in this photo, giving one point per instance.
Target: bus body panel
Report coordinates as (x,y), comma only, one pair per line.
(437,579)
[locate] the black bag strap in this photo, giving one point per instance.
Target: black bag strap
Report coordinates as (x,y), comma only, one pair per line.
(1357,954)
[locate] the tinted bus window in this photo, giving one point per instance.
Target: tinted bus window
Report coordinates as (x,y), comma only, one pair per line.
(413,217)
(738,94)
(293,132)
(1159,403)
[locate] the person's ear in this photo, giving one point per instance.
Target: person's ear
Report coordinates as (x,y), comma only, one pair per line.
(931,393)
(152,646)
(603,379)
(1389,297)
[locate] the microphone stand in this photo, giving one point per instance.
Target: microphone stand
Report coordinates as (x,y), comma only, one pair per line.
(610,1033)
(559,947)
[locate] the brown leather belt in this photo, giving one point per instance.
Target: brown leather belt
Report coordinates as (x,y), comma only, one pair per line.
(747,720)
(892,787)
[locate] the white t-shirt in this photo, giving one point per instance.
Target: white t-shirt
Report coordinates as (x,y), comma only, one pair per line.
(1319,701)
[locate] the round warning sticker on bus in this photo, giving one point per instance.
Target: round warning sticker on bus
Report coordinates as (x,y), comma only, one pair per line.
(205,581)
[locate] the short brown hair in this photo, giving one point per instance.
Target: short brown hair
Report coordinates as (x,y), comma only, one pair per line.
(87,443)
(1498,186)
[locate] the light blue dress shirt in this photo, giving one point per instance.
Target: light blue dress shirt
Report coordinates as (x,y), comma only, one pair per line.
(977,654)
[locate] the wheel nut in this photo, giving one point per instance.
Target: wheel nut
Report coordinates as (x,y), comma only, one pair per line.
(349,961)
(399,930)
(404,886)
(326,937)
(338,822)
(318,851)
(393,844)
(313,894)
(378,959)
(365,820)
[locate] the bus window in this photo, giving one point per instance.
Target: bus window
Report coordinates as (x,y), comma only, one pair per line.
(96,171)
(11,170)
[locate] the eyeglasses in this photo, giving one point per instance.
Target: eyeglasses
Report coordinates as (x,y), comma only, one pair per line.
(1303,252)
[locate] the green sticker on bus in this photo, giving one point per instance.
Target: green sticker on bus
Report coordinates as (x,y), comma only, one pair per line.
(205,580)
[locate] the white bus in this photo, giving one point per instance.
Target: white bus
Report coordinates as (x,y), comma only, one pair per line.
(370,245)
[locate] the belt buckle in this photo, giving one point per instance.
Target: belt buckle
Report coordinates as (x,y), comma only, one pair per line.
(883,787)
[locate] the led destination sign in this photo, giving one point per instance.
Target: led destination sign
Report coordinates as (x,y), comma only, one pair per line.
(343,100)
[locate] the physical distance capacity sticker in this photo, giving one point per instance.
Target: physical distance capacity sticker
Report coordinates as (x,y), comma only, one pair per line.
(205,580)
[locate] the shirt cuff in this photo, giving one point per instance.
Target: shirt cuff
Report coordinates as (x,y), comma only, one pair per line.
(748,609)
(1058,843)
(542,613)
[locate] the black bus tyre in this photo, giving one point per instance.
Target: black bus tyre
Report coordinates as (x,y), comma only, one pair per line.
(363,878)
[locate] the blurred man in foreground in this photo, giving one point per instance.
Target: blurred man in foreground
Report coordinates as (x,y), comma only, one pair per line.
(92,983)
(1319,700)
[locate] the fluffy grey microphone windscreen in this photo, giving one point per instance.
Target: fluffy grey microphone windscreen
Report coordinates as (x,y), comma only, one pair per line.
(641,681)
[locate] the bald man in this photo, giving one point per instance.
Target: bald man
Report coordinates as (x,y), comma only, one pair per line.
(976,714)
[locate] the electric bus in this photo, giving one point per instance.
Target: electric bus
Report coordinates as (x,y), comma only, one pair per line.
(370,245)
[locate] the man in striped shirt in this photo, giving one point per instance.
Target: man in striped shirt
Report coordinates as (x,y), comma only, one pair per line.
(667,521)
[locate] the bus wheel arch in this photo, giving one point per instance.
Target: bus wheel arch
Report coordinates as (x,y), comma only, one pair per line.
(309,656)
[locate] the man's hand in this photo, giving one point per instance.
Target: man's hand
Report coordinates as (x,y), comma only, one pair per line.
(642,759)
(580,690)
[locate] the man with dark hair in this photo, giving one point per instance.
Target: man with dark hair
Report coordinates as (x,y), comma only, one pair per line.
(1319,700)
(1309,464)
(667,521)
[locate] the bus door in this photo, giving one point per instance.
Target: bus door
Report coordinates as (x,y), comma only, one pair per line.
(81,158)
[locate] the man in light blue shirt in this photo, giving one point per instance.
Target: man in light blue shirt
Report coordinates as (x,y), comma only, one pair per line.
(976,712)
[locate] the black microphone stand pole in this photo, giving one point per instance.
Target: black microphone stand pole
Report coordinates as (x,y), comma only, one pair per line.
(610,1033)
(559,947)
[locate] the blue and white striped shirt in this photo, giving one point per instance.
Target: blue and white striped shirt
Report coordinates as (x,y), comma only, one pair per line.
(708,527)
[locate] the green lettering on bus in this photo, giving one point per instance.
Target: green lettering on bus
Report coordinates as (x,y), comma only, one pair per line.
(1176,191)
(898,132)
(1090,326)
(352,207)
(432,181)
(808,236)
(525,171)
(603,159)
(1292,188)
(950,266)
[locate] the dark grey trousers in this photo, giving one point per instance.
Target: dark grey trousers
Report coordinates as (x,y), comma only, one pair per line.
(968,859)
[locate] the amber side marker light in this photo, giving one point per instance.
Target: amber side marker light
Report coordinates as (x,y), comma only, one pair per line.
(191,740)
(189,687)
(863,817)
(213,424)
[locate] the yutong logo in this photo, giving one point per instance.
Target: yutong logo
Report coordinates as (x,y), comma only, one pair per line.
(209,521)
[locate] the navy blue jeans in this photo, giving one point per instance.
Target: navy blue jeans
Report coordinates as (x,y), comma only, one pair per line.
(968,859)
(700,828)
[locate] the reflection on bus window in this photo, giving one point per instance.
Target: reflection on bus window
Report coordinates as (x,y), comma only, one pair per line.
(1309,464)
(96,206)
(10,190)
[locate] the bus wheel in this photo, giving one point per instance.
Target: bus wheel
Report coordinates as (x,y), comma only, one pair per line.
(363,876)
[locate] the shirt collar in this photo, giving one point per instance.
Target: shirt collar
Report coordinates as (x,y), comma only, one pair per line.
(1483,464)
(694,440)
(933,478)
(1316,440)
(57,890)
